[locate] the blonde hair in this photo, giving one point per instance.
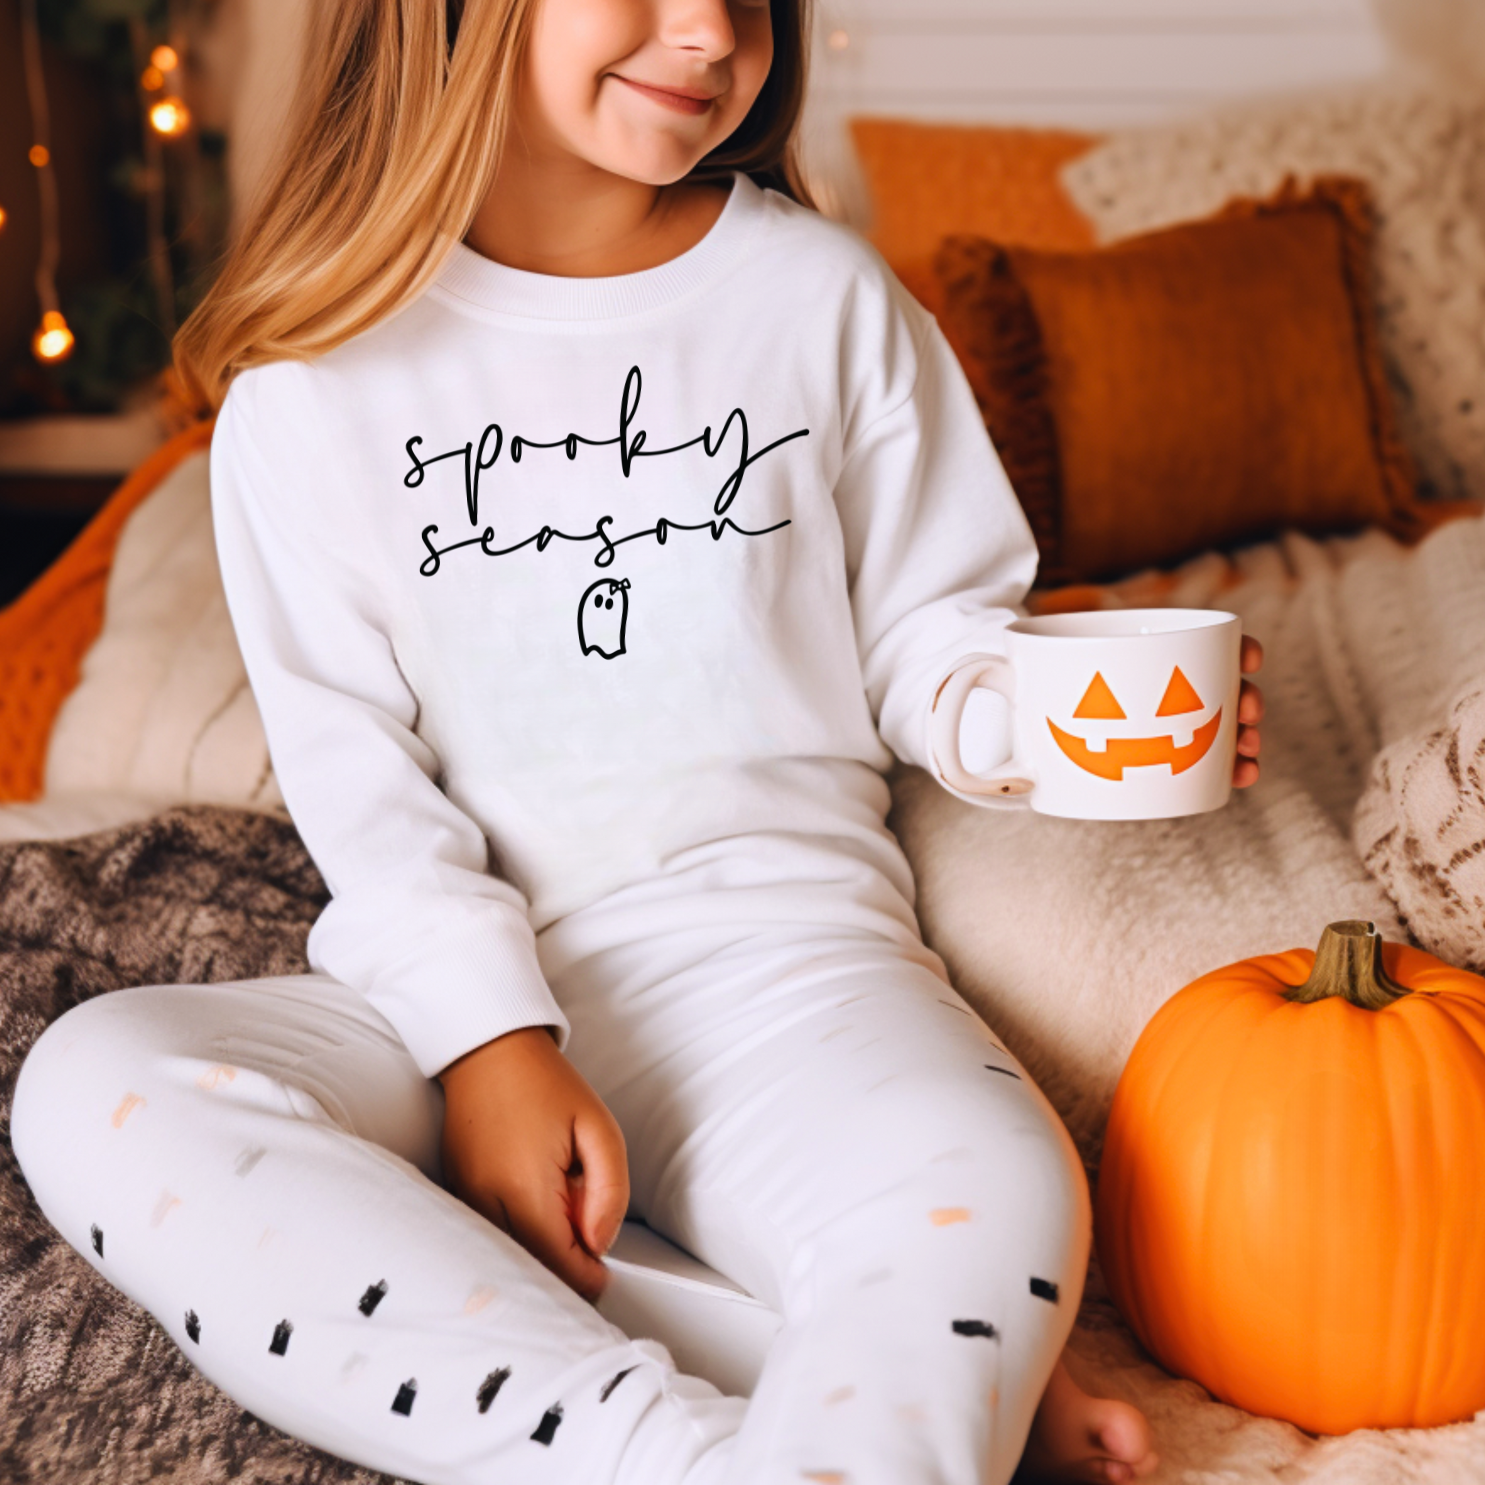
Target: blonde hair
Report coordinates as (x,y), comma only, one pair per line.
(396,133)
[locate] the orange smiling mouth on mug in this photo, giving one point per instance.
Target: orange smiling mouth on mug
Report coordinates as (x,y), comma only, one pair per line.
(1138,752)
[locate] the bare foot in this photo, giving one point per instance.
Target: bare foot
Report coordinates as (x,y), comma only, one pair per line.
(1076,1437)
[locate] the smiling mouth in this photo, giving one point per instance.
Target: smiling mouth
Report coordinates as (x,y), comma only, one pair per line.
(680,102)
(1137,752)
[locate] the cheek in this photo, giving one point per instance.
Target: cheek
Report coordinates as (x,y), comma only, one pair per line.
(572,43)
(751,59)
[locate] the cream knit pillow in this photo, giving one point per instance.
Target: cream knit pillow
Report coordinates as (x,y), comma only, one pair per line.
(163,710)
(1421,149)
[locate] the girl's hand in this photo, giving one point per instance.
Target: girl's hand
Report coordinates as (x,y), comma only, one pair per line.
(527,1143)
(1250,714)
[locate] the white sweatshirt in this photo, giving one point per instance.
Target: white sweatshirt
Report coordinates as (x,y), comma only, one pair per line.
(563,578)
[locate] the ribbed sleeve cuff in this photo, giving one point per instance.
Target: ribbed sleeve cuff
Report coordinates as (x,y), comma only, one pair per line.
(461,996)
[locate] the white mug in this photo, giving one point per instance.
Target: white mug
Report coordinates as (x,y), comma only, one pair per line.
(1127,714)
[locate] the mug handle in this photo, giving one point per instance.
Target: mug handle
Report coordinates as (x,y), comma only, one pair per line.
(1007,785)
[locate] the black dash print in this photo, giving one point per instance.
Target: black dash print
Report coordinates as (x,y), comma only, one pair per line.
(374,1295)
(1044,1289)
(98,1240)
(403,1402)
(281,1333)
(1004,1071)
(610,1385)
(490,1386)
(976,1327)
(193,1326)
(954,1007)
(546,1430)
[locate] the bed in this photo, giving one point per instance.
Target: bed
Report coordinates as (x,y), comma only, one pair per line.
(158,848)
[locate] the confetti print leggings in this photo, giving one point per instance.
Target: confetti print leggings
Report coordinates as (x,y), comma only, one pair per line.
(825,1122)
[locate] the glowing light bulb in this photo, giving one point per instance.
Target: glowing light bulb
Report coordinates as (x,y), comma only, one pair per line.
(3,218)
(165,58)
(170,117)
(53,341)
(152,79)
(39,155)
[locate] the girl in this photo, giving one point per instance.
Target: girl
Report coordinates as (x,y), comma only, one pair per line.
(594,517)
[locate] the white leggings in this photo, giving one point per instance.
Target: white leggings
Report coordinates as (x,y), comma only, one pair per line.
(814,1114)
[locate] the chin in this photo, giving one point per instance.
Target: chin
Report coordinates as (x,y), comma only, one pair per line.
(660,168)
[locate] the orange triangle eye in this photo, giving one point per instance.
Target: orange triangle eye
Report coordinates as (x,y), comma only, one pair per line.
(1099,702)
(1180,697)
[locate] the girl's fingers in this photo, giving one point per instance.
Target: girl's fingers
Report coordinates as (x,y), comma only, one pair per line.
(602,1196)
(489,1206)
(1252,655)
(541,1224)
(1245,769)
(497,1214)
(1250,703)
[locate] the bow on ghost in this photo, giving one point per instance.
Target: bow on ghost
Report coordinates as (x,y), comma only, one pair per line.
(602,617)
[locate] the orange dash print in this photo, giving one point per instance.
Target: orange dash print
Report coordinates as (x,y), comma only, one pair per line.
(840,1395)
(479,1298)
(825,1477)
(221,1073)
(127,1105)
(163,1208)
(948,1216)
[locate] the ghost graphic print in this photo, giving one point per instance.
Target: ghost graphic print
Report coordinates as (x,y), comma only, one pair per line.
(602,616)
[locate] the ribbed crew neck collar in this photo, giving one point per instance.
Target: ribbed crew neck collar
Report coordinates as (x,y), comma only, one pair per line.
(477,280)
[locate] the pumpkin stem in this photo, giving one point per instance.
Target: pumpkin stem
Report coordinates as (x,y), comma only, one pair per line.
(1348,963)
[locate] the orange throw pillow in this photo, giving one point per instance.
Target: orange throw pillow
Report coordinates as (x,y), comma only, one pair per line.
(1193,388)
(929,181)
(46,632)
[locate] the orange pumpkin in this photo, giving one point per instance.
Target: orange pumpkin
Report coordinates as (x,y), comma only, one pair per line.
(1291,1203)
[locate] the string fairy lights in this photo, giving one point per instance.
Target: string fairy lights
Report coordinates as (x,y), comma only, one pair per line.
(169,116)
(53,339)
(166,117)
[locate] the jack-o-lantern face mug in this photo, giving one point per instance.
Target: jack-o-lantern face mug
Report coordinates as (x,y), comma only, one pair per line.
(1123,715)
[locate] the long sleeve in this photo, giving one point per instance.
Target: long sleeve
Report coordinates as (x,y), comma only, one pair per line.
(938,551)
(417,922)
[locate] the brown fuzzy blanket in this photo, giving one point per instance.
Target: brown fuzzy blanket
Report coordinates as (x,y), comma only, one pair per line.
(91,1389)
